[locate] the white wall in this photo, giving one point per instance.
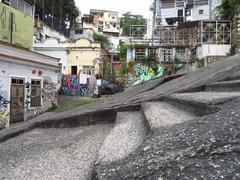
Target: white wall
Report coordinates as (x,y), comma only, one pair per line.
(24,70)
(214,50)
(54,34)
(195,13)
(52,47)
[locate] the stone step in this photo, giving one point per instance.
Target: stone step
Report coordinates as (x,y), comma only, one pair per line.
(126,136)
(160,114)
(224,86)
(201,103)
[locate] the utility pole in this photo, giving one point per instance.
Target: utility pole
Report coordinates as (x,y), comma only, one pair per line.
(52,13)
(43,10)
(154,19)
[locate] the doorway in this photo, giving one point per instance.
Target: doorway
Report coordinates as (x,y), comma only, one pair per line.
(17,100)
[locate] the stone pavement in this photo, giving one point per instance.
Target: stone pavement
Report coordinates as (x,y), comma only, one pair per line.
(169,128)
(65,153)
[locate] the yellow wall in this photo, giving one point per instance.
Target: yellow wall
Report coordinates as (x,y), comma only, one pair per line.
(83,53)
(22,34)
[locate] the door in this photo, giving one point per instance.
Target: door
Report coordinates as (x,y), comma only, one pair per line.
(17,100)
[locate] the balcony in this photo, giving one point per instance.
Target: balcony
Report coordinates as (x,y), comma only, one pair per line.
(21,5)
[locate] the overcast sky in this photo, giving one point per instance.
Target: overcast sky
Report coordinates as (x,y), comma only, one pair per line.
(122,6)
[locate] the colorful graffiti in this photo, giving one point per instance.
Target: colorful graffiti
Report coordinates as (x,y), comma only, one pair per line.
(49,97)
(142,73)
(4,113)
(49,91)
(72,86)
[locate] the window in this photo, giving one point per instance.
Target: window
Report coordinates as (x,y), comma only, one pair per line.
(188,12)
(140,54)
(90,70)
(200,11)
(167,55)
(36,93)
(180,13)
(74,70)
(17,81)
(78,31)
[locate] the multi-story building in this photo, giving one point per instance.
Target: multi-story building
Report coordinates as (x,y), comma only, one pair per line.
(180,32)
(105,21)
(173,12)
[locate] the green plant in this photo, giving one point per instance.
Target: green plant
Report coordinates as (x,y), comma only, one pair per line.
(233,50)
(128,20)
(53,108)
(103,40)
(141,45)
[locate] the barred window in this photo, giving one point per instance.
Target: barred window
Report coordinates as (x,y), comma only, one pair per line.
(90,70)
(35,93)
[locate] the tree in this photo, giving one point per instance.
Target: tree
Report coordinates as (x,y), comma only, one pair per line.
(128,20)
(228,9)
(103,40)
(123,58)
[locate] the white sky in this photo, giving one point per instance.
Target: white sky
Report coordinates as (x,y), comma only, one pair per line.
(135,6)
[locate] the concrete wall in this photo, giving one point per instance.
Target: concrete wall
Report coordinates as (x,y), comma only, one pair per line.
(195,13)
(47,31)
(213,50)
(52,47)
(22,32)
(49,81)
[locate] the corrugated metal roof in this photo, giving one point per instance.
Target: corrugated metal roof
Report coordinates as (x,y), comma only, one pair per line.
(16,52)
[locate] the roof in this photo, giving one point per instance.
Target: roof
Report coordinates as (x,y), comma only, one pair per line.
(19,53)
(98,10)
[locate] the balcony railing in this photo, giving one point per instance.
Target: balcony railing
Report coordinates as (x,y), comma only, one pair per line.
(20,5)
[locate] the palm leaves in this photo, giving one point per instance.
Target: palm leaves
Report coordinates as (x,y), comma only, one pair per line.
(228,9)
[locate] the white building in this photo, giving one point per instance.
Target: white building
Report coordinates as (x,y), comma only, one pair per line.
(173,12)
(29,82)
(53,47)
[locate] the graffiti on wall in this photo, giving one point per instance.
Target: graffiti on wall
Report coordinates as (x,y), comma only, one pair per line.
(73,86)
(139,73)
(49,91)
(48,94)
(4,112)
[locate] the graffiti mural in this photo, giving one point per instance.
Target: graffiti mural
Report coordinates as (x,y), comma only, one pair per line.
(4,110)
(48,94)
(72,86)
(49,91)
(140,73)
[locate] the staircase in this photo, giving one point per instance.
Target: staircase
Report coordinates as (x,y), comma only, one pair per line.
(131,128)
(88,152)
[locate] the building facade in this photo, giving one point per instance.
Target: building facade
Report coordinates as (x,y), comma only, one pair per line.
(16,24)
(180,33)
(54,48)
(106,21)
(28,83)
(173,12)
(83,57)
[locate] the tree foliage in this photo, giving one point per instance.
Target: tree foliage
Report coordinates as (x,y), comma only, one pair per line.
(128,19)
(61,8)
(123,58)
(103,40)
(228,9)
